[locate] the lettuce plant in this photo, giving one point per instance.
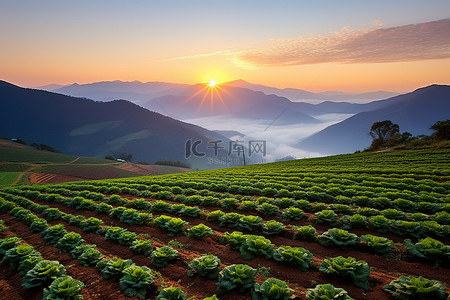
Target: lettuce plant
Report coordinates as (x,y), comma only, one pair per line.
(191,211)
(272,227)
(200,231)
(90,257)
(359,271)
(127,238)
(410,287)
(43,273)
(113,233)
(135,281)
(250,223)
(272,289)
(207,266)
(174,226)
(235,239)
(64,287)
(256,245)
(54,233)
(28,262)
(142,247)
(430,249)
(379,244)
(69,241)
(112,268)
(171,293)
(14,256)
(326,216)
(52,214)
(296,256)
(327,292)
(338,237)
(38,225)
(91,224)
(238,276)
(162,255)
(292,213)
(214,216)
(230,220)
(133,217)
(268,209)
(228,203)
(307,233)
(77,251)
(8,243)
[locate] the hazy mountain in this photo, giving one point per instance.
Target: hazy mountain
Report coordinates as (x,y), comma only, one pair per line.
(298,94)
(49,87)
(414,112)
(134,91)
(199,101)
(85,127)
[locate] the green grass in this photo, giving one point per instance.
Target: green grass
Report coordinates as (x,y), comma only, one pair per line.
(33,156)
(8,178)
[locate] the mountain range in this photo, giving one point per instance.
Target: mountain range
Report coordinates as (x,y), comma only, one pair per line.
(84,127)
(414,112)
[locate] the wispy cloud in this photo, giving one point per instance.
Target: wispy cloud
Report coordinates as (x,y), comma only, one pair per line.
(422,41)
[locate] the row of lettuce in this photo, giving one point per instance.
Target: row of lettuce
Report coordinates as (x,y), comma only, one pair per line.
(134,280)
(430,248)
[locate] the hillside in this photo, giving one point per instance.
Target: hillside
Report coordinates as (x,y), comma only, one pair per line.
(414,112)
(369,212)
(83,127)
(22,164)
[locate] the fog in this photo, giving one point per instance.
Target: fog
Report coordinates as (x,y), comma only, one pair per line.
(280,139)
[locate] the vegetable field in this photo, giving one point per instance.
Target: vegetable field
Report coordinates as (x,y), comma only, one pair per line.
(357,226)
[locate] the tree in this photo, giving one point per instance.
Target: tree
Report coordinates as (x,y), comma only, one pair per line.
(441,130)
(382,131)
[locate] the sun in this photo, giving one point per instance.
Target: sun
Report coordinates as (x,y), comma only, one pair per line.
(212,83)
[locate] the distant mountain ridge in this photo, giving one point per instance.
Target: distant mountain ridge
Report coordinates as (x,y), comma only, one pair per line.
(85,127)
(414,112)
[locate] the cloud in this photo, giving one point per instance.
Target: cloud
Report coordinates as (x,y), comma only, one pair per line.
(413,42)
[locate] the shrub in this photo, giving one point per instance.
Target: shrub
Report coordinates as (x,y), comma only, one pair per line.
(307,233)
(238,276)
(274,289)
(199,231)
(142,247)
(69,241)
(43,273)
(359,271)
(171,293)
(410,287)
(64,287)
(135,281)
(327,292)
(256,245)
(339,237)
(292,213)
(272,227)
(207,266)
(296,256)
(162,255)
(380,245)
(54,233)
(430,249)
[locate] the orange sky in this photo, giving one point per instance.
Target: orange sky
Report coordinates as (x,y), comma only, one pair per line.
(299,45)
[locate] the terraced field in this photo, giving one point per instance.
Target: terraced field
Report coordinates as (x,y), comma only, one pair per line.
(355,226)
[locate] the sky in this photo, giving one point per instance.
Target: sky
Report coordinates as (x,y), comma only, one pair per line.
(351,46)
